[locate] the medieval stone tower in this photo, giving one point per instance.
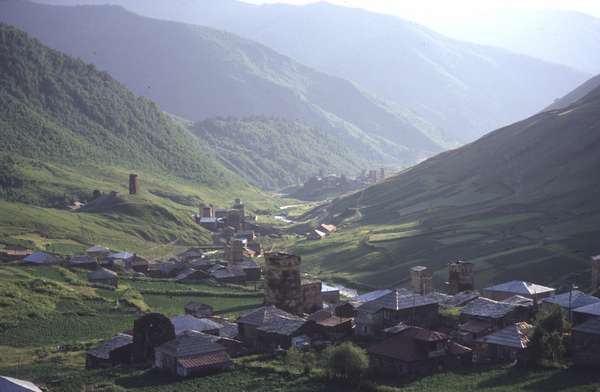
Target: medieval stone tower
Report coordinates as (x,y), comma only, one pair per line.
(283,285)
(133,184)
(421,279)
(236,250)
(460,277)
(595,273)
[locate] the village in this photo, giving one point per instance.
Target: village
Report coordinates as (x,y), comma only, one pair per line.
(406,331)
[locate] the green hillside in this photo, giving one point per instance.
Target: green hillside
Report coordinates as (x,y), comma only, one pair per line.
(68,129)
(198,73)
(521,203)
(273,153)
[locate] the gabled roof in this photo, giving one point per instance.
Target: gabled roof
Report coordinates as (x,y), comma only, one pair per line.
(487,308)
(520,287)
(405,346)
(516,335)
(518,300)
(41,258)
(190,343)
(327,318)
(104,349)
(271,319)
(577,299)
(591,326)
(371,296)
(397,299)
(461,299)
(101,274)
(190,323)
(122,256)
(8,384)
(98,249)
(475,326)
(591,309)
(325,288)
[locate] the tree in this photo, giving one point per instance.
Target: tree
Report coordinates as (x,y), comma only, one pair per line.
(346,361)
(548,340)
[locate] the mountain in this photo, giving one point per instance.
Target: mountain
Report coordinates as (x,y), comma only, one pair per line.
(562,37)
(521,203)
(273,153)
(465,90)
(576,94)
(198,73)
(68,130)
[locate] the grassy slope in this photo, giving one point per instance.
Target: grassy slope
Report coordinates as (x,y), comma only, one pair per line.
(68,129)
(274,153)
(521,203)
(210,73)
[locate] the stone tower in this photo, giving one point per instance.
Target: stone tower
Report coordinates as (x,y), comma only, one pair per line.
(421,279)
(133,184)
(283,285)
(236,250)
(595,273)
(460,277)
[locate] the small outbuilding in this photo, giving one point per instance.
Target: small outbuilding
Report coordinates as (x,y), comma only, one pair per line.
(40,258)
(191,353)
(112,352)
(104,276)
(198,309)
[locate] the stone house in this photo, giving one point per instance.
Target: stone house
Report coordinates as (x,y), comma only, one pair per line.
(587,312)
(98,252)
(268,328)
(482,316)
(518,287)
(112,352)
(400,305)
(330,294)
(198,309)
(505,345)
(82,261)
(191,353)
(40,258)
(324,324)
(416,351)
(104,276)
(190,275)
(570,300)
(586,343)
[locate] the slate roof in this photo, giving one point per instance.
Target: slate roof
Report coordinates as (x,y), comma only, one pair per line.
(272,320)
(520,287)
(98,249)
(578,299)
(102,274)
(397,299)
(190,343)
(8,384)
(396,329)
(41,258)
(518,300)
(228,330)
(371,296)
(104,349)
(191,253)
(190,323)
(516,336)
(327,318)
(461,299)
(189,272)
(199,308)
(591,326)
(122,256)
(487,308)
(475,326)
(592,309)
(325,288)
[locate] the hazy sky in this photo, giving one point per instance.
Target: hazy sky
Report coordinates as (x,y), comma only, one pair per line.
(440,13)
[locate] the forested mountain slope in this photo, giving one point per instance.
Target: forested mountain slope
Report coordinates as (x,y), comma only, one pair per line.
(198,73)
(466,90)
